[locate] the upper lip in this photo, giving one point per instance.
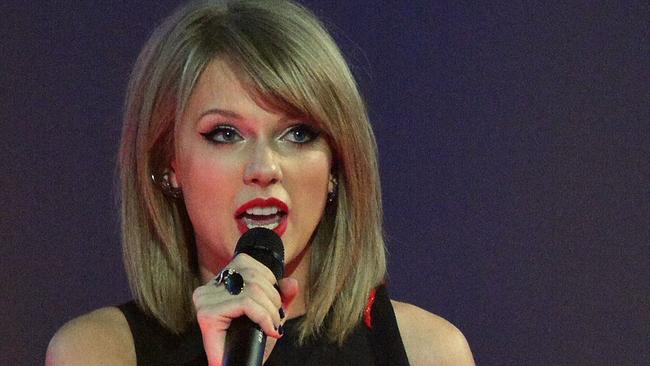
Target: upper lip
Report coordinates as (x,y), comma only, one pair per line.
(262,202)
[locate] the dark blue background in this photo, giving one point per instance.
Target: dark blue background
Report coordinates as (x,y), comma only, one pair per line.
(514,148)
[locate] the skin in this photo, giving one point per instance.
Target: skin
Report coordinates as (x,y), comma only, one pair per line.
(229,150)
(262,158)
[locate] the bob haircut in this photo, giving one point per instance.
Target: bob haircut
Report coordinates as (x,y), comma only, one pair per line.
(288,61)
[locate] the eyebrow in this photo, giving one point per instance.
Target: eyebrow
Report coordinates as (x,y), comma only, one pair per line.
(223,112)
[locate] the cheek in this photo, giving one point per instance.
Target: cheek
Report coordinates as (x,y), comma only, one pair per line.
(209,185)
(310,185)
(204,170)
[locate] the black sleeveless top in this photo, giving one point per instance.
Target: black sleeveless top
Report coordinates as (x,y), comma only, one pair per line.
(379,344)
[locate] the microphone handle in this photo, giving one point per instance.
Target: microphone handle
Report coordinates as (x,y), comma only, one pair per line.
(239,351)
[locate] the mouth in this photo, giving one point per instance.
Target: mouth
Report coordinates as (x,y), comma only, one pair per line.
(268,213)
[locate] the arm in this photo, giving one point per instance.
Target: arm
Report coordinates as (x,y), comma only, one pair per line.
(101,337)
(430,340)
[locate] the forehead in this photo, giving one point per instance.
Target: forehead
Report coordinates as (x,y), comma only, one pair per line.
(218,83)
(221,85)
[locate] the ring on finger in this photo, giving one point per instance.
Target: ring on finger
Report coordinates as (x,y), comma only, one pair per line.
(232,281)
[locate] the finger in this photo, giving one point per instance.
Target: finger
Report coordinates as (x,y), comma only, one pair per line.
(244,260)
(255,272)
(217,315)
(252,276)
(289,290)
(258,294)
(255,286)
(211,295)
(215,318)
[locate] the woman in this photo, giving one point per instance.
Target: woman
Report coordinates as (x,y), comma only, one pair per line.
(244,114)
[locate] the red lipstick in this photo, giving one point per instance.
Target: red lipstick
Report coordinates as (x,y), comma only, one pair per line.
(279,219)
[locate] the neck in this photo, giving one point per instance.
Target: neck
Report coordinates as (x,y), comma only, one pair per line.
(298,269)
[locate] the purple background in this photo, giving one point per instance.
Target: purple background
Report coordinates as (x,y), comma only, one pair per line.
(514,147)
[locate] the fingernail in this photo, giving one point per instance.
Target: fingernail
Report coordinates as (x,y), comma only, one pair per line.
(281,311)
(281,330)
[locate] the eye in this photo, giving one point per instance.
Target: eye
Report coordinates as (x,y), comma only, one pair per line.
(301,134)
(223,135)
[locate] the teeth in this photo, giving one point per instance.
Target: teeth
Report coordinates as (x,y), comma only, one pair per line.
(262,211)
(269,226)
(266,217)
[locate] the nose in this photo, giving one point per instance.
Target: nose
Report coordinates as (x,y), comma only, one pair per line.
(263,168)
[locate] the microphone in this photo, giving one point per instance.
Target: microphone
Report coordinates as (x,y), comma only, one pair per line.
(245,340)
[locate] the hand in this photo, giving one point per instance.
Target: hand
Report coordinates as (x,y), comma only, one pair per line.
(259,301)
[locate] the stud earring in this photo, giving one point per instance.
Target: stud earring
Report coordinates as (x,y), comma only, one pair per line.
(165,185)
(331,194)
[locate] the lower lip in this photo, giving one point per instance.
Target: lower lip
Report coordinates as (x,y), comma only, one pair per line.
(280,229)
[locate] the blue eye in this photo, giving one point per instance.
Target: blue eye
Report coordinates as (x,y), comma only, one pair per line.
(223,135)
(301,134)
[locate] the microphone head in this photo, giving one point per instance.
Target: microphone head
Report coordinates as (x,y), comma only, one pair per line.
(265,246)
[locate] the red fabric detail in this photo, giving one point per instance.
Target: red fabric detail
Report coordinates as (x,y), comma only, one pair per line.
(367,312)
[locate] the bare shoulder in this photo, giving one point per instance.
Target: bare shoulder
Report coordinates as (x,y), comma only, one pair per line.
(101,337)
(430,339)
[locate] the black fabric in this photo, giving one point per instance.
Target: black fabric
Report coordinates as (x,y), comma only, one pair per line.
(381,345)
(386,340)
(356,350)
(156,345)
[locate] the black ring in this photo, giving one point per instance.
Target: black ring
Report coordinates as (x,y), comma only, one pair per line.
(223,275)
(234,283)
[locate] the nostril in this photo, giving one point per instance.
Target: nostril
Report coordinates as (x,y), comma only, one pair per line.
(262,174)
(261,180)
(262,167)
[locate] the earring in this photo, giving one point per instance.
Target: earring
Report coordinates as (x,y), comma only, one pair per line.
(331,194)
(166,186)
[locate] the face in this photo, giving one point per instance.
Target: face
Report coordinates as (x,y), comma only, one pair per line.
(241,166)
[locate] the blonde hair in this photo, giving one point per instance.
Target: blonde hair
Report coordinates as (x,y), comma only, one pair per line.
(288,60)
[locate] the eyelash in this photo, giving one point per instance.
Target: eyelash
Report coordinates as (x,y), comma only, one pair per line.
(216,135)
(311,133)
(212,135)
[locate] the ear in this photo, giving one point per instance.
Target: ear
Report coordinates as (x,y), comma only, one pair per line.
(173,177)
(331,183)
